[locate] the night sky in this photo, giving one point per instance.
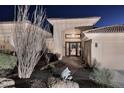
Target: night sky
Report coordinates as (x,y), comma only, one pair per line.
(110,15)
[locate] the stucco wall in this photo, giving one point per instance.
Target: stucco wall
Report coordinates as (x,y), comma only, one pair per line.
(109,52)
(6,34)
(58,36)
(60,25)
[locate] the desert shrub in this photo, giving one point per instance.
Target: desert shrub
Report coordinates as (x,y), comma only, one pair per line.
(7,61)
(102,76)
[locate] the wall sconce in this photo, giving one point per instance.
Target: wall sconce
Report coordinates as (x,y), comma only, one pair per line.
(96,45)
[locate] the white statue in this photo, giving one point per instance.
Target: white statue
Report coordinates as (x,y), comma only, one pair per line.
(66,74)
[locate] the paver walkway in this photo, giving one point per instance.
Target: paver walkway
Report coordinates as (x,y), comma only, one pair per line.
(75,65)
(73,62)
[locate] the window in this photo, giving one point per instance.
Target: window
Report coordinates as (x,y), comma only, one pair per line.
(70,36)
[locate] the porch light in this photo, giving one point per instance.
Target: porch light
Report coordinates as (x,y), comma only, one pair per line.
(96,45)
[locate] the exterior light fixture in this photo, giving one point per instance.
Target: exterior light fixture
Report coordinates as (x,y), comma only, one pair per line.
(73,35)
(96,45)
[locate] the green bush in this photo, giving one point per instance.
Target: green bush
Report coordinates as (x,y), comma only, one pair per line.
(102,76)
(7,61)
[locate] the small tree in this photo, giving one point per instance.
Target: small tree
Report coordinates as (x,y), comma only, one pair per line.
(29,39)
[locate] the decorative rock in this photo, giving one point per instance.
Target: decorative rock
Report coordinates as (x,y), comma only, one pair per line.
(57,83)
(66,74)
(67,84)
(38,84)
(5,82)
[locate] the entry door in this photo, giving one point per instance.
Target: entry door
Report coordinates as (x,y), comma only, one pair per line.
(73,49)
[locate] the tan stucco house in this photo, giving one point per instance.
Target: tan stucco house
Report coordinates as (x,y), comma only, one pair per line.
(67,34)
(66,37)
(78,37)
(103,46)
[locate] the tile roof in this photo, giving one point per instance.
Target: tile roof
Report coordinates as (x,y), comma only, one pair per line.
(108,29)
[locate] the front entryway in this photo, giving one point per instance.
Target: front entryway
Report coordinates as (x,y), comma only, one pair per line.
(87,51)
(73,48)
(72,62)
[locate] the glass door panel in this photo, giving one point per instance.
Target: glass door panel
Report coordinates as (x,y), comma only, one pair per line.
(78,49)
(67,49)
(73,49)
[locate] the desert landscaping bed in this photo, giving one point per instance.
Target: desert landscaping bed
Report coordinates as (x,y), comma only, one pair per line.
(40,78)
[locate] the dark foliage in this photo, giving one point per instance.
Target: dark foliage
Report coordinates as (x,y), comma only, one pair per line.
(90,84)
(30,83)
(52,57)
(5,72)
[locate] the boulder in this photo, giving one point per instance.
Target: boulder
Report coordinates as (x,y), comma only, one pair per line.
(58,83)
(5,82)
